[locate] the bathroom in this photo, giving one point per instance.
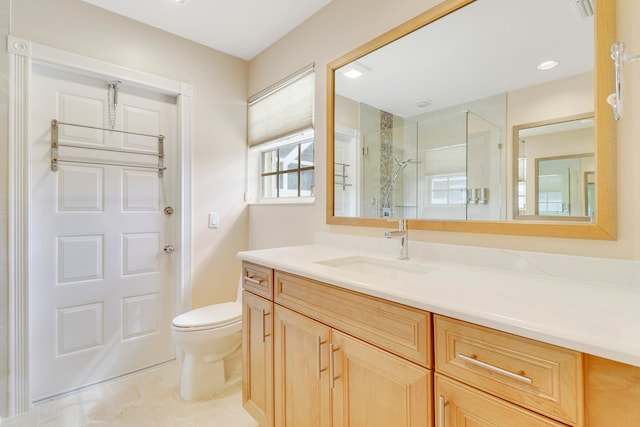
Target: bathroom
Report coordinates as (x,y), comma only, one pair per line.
(223,83)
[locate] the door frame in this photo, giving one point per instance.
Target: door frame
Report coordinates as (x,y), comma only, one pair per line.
(22,55)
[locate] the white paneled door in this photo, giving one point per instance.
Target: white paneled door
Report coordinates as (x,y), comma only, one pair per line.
(102,289)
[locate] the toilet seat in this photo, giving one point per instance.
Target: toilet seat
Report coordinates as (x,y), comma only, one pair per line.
(209,317)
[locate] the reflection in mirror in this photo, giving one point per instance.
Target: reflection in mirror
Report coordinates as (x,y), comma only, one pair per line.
(420,119)
(429,111)
(555,169)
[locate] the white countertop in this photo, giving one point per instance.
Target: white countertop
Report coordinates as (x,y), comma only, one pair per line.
(598,318)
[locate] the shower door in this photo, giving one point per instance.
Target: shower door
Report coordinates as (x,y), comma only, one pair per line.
(102,289)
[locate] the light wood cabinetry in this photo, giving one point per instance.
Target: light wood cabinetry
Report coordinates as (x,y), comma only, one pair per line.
(399,329)
(257,358)
(319,355)
(544,378)
(301,350)
(324,377)
(339,358)
(374,388)
(257,342)
(460,405)
(258,280)
(613,393)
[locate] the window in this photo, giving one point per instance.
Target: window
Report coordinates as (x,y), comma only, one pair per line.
(449,189)
(281,136)
(522,185)
(287,167)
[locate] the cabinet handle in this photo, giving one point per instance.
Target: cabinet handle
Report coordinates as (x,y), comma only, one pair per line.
(318,357)
(442,403)
(264,322)
(332,380)
(474,361)
(252,280)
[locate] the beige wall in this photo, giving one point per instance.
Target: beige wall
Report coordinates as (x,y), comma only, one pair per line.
(346,24)
(219,128)
(219,107)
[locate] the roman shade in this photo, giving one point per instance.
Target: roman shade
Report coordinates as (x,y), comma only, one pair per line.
(283,109)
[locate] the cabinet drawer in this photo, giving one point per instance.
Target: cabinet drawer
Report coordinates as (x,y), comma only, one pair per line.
(460,405)
(399,329)
(543,377)
(257,279)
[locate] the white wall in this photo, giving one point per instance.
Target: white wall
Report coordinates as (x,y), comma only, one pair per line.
(4,137)
(344,25)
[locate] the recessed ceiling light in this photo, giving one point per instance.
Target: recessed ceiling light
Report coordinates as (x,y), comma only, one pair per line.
(352,74)
(181,1)
(547,65)
(354,70)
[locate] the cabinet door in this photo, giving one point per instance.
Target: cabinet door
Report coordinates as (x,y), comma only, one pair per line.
(301,370)
(460,405)
(257,358)
(372,388)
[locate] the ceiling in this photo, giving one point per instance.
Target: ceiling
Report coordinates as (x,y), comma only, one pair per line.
(242,28)
(487,48)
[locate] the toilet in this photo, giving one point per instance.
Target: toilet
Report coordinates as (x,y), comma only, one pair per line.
(211,339)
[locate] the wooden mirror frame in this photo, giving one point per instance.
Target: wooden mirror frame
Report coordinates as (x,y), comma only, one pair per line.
(604,227)
(515,169)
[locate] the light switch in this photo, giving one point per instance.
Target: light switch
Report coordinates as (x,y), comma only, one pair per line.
(214,217)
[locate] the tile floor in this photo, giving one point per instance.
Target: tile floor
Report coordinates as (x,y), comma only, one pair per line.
(147,399)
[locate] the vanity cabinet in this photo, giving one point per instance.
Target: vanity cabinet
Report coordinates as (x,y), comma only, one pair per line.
(375,388)
(460,405)
(317,355)
(331,364)
(301,383)
(543,378)
(257,343)
(326,378)
(320,355)
(612,393)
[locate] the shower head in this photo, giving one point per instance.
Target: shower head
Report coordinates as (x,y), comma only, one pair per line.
(402,165)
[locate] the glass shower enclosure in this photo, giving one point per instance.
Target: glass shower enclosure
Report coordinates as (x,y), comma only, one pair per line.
(442,167)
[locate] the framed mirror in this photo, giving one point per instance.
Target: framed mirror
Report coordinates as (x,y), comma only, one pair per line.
(554,170)
(422,120)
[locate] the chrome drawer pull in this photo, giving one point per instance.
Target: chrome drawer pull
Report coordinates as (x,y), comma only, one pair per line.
(442,403)
(264,325)
(472,360)
(252,280)
(318,357)
(332,367)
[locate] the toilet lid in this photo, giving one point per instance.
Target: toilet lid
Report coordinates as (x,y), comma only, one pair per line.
(216,315)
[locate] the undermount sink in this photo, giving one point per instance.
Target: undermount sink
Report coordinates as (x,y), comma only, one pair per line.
(388,269)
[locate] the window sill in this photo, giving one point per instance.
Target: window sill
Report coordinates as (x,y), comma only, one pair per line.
(286,201)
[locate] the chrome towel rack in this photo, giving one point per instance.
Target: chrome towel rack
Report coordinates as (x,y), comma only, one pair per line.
(341,177)
(619,55)
(55,144)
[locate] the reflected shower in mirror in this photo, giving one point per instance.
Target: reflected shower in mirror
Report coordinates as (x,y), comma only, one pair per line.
(554,168)
(445,165)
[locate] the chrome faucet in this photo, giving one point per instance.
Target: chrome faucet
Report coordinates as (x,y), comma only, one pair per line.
(403,235)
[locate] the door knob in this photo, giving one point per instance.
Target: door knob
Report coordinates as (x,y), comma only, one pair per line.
(169,249)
